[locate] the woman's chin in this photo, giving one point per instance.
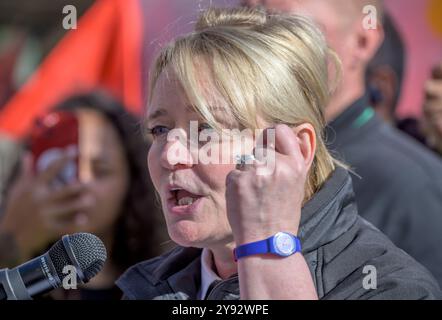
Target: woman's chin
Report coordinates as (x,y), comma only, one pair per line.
(188,233)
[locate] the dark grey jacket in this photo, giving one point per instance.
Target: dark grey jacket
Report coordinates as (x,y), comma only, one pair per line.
(337,245)
(400,185)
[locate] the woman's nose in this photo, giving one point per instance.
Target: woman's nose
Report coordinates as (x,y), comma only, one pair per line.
(176,154)
(84,170)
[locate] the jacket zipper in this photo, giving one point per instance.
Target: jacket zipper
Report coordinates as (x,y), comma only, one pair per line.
(222,282)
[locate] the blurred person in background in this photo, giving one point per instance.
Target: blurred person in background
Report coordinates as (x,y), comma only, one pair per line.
(432,118)
(113,197)
(34,43)
(385,74)
(398,184)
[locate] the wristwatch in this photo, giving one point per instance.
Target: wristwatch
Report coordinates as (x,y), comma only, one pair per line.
(282,244)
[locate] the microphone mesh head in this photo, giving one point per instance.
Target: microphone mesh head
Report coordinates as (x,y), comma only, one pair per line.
(88,249)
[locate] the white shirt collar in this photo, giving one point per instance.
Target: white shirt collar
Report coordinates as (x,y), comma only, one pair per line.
(207,273)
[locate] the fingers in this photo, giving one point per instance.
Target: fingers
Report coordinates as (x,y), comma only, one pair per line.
(66,211)
(245,162)
(66,192)
(49,174)
(433,89)
(26,169)
(280,139)
(433,93)
(437,72)
(27,165)
(268,138)
(286,141)
(432,108)
(63,203)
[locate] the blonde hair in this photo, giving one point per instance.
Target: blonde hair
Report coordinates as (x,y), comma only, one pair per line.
(269,67)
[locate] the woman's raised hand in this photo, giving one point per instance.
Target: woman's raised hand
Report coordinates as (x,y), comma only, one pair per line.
(260,205)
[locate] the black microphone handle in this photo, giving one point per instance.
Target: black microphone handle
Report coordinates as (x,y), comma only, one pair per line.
(34,277)
(46,272)
(12,292)
(3,295)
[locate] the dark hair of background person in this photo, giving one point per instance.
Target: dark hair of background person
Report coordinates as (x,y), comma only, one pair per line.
(140,230)
(390,53)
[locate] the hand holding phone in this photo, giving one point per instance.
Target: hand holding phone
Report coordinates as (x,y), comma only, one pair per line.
(54,136)
(37,214)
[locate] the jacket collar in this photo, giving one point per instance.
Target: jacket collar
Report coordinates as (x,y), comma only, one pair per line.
(354,122)
(329,214)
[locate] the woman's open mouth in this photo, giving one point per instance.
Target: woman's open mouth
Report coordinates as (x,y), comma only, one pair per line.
(182,201)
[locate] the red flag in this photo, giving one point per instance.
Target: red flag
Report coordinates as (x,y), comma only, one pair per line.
(104,51)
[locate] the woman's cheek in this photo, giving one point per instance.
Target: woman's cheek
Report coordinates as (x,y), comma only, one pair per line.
(153,162)
(215,178)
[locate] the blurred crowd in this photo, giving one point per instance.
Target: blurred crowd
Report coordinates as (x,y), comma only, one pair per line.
(98,73)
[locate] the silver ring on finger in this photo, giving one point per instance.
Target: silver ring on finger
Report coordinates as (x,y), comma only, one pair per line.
(243,160)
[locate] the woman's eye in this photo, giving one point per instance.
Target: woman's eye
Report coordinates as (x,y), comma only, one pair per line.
(158,131)
(102,171)
(204,126)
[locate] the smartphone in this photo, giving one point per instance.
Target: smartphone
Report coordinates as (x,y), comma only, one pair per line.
(52,136)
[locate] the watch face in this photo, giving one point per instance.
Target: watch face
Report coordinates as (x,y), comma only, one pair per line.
(284,244)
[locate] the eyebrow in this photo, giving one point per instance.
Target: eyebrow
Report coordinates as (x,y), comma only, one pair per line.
(155,115)
(161,112)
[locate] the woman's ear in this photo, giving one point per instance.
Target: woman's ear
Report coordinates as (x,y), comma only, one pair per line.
(306,137)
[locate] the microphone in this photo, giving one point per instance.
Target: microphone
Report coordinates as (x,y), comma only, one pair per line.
(83,251)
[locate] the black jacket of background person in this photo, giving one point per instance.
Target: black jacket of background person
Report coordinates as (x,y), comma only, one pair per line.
(337,244)
(400,185)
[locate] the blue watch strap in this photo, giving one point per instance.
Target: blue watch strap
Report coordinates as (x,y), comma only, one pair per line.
(266,246)
(253,248)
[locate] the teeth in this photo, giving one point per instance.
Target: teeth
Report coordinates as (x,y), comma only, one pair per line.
(185,201)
